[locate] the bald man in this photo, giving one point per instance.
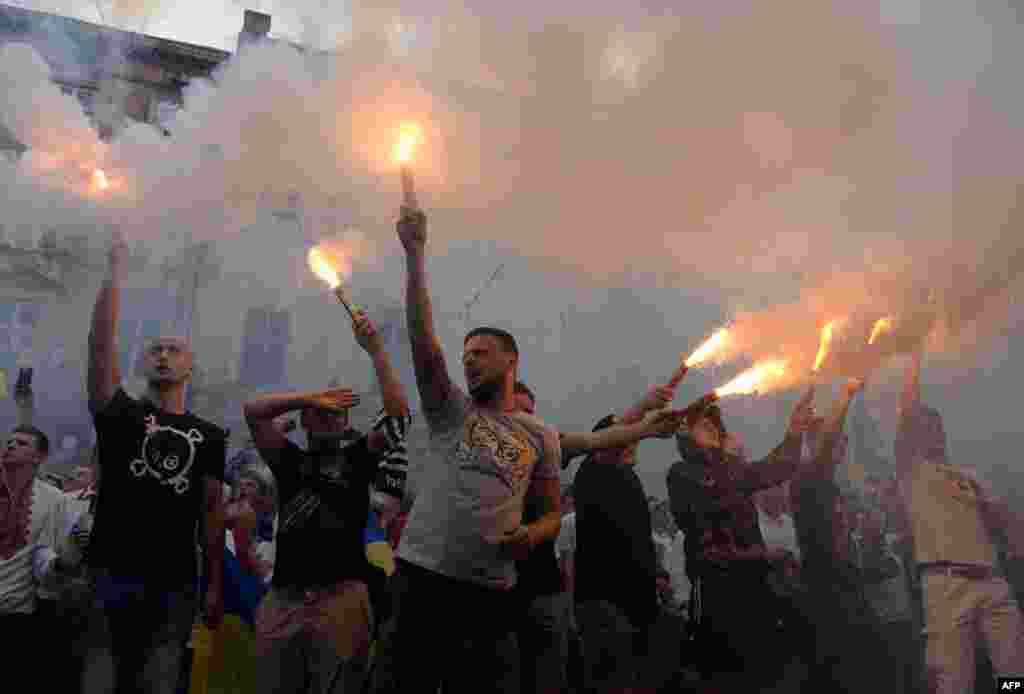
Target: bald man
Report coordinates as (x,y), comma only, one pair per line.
(161,468)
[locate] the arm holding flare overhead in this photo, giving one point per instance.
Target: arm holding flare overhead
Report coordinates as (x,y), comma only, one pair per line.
(910,403)
(781,464)
(432,378)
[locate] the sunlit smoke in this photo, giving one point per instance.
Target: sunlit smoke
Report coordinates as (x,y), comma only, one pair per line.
(709,349)
(882,326)
(760,378)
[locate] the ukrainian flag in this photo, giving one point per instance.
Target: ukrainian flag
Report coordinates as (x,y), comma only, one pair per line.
(378,549)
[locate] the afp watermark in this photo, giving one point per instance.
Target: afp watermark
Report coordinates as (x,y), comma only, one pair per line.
(1010,684)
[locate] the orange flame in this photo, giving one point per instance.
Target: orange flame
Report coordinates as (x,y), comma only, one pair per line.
(827,333)
(709,349)
(99,179)
(323,268)
(759,377)
(410,136)
(882,325)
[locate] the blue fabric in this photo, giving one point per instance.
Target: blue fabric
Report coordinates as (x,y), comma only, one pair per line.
(373,532)
(242,592)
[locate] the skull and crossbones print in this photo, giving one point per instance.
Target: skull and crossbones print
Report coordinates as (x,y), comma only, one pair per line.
(167,455)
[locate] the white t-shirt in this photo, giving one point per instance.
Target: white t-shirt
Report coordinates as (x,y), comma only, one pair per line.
(566,543)
(32,562)
(675,564)
(779,534)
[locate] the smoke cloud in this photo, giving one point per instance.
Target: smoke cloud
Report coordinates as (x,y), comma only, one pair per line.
(644,177)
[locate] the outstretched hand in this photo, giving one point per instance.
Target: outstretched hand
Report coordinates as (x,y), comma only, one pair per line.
(657,398)
(663,424)
(854,386)
(336,400)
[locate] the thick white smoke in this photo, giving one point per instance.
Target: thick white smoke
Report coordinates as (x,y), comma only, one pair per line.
(643,176)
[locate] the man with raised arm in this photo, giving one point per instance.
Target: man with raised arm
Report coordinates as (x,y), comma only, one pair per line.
(313,630)
(161,468)
(458,550)
(966,597)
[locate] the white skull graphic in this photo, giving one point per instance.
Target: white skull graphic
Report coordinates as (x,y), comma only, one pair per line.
(167,454)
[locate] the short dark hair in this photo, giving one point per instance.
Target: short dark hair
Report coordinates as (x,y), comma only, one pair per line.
(712,412)
(524,389)
(508,343)
(42,442)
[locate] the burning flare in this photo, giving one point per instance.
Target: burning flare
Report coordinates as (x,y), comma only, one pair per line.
(755,379)
(323,268)
(410,136)
(709,349)
(99,179)
(882,326)
(827,333)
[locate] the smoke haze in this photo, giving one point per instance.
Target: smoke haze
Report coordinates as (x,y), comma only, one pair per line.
(645,176)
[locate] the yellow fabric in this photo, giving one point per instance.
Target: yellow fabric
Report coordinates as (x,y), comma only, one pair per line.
(382,556)
(232,667)
(202,650)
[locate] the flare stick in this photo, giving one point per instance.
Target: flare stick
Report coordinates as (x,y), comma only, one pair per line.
(343,299)
(408,188)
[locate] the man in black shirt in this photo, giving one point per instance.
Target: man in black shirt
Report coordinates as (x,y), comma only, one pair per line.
(161,466)
(616,564)
(314,629)
(544,604)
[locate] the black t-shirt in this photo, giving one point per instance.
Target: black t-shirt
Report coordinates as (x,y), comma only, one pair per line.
(325,500)
(615,556)
(539,574)
(152,465)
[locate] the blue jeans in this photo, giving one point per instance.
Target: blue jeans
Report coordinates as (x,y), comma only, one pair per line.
(144,632)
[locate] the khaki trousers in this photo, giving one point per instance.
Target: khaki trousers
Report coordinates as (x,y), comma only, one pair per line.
(959,610)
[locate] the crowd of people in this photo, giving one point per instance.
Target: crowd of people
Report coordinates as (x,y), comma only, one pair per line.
(322,569)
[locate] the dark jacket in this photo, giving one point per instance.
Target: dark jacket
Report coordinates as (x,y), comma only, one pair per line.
(712,503)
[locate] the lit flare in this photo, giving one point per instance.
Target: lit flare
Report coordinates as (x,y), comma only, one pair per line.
(410,136)
(323,268)
(328,271)
(760,377)
(882,326)
(709,349)
(827,334)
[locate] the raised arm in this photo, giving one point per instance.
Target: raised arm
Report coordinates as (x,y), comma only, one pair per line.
(781,464)
(658,424)
(833,427)
(428,360)
(395,402)
(911,395)
(104,374)
(261,412)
